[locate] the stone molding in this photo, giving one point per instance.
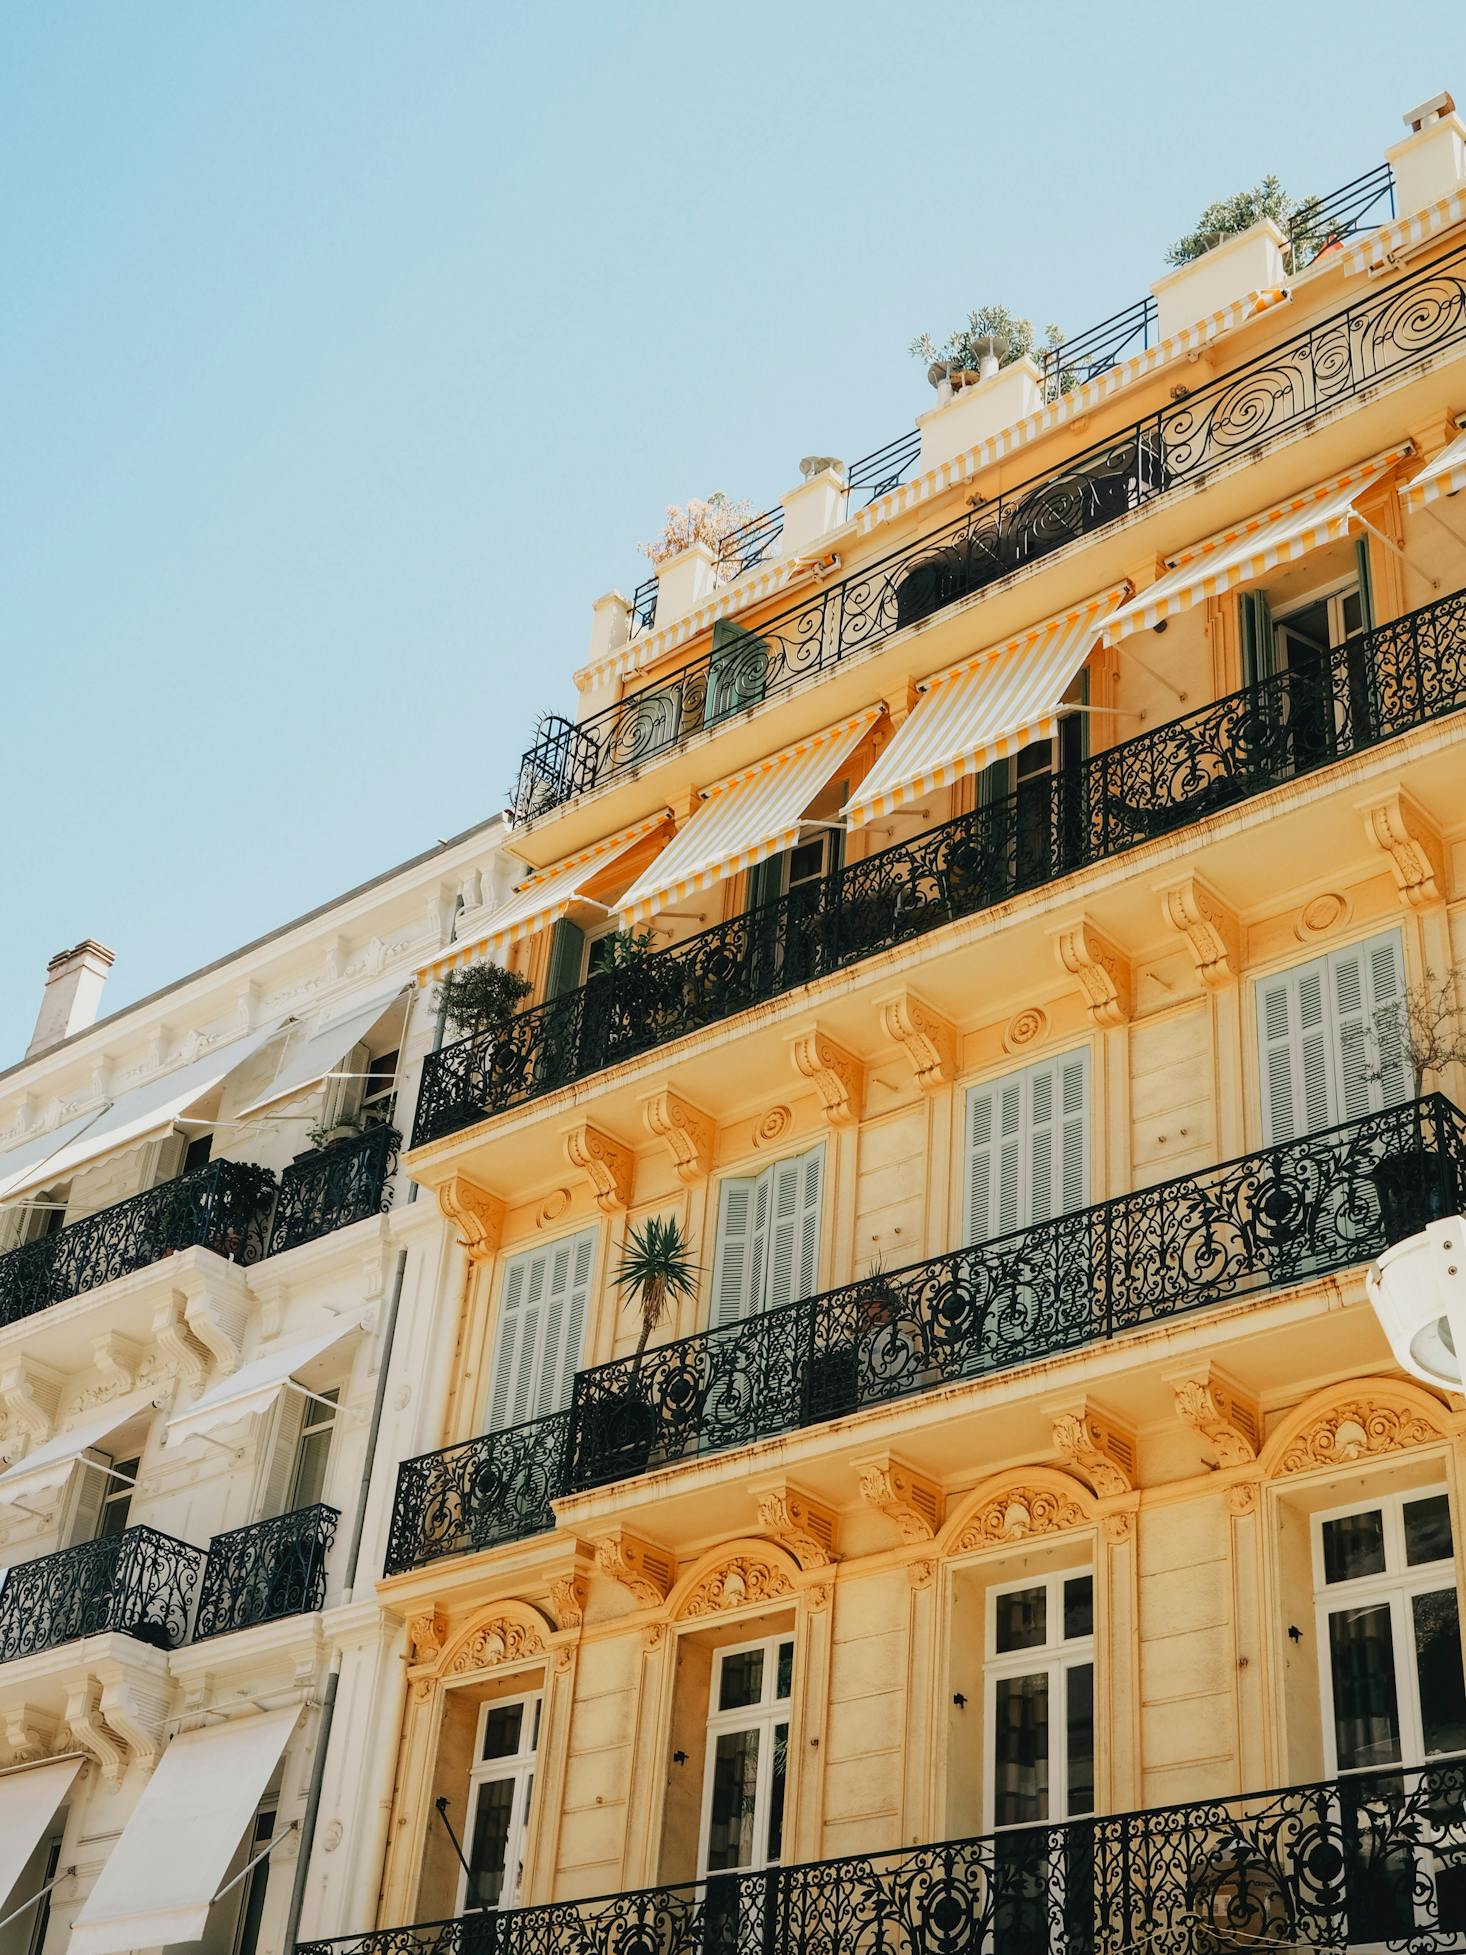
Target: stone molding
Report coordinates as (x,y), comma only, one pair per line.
(1101,969)
(1412,846)
(903,1495)
(477,1215)
(930,1040)
(1210,926)
(837,1075)
(688,1133)
(607,1163)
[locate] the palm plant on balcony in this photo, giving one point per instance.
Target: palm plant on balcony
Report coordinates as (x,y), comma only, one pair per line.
(656,1272)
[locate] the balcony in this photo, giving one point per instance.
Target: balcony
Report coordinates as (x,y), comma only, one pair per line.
(224,1207)
(1375,1859)
(332,1187)
(1281,1216)
(139,1583)
(259,1574)
(1371,689)
(1331,362)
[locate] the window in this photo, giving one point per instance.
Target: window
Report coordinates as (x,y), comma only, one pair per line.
(116,1502)
(379,1088)
(500,1787)
(1028,1146)
(1330,1039)
(41,1917)
(542,1306)
(196,1153)
(1389,1632)
(1046,832)
(1039,1710)
(747,1757)
(251,1889)
(768,1242)
(313,1450)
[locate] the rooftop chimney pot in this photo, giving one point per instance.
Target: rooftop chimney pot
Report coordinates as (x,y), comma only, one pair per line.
(74,981)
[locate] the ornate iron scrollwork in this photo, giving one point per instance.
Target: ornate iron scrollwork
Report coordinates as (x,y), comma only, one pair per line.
(138,1583)
(258,1574)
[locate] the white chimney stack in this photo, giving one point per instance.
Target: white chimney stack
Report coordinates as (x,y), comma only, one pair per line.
(74,980)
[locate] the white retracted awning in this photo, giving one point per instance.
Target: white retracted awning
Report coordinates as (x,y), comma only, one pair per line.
(753,814)
(1249,549)
(542,899)
(1443,475)
(981,709)
(28,1802)
(30,1162)
(174,1852)
(320,1048)
(47,1466)
(148,1109)
(254,1388)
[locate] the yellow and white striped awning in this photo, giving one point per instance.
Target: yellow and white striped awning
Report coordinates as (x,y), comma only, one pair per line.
(751,815)
(1445,475)
(981,709)
(1248,549)
(541,899)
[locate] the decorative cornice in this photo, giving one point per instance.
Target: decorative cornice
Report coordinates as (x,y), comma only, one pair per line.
(647,1572)
(930,1040)
(689,1133)
(1019,1514)
(737,1582)
(1223,1415)
(502,1639)
(836,1074)
(567,1600)
(798,1523)
(30,1395)
(1101,969)
(1359,1428)
(477,1215)
(894,1489)
(1098,1446)
(1412,845)
(606,1163)
(30,1733)
(1209,925)
(426,1635)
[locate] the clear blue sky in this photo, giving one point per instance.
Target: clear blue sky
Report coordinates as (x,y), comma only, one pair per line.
(348,350)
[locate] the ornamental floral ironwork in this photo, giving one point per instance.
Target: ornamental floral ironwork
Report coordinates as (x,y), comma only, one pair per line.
(1368,690)
(1327,363)
(334,1186)
(224,1207)
(1373,1859)
(496,1488)
(138,1583)
(258,1574)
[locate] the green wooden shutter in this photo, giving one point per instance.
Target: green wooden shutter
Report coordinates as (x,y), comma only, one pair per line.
(1366,584)
(766,881)
(567,958)
(1259,650)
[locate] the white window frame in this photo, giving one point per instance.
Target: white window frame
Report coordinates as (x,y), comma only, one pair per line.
(1022,1077)
(518,1768)
(769,1711)
(1326,962)
(1334,594)
(1054,1657)
(534,1396)
(1397,1585)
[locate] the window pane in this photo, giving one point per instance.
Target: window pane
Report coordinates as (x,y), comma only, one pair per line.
(1428,1529)
(785,1681)
(502,1727)
(1438,1666)
(1366,1710)
(776,1792)
(1354,1546)
(730,1815)
(310,1468)
(1021,1619)
(741,1680)
(1079,1606)
(1079,1731)
(491,1815)
(1021,1749)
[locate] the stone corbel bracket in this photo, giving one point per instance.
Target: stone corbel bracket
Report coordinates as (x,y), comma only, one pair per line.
(85,1729)
(1224,1415)
(567,1600)
(646,1571)
(1097,1446)
(134,1708)
(797,1522)
(30,1396)
(689,1133)
(837,1075)
(903,1495)
(930,1040)
(1209,925)
(1412,845)
(607,1163)
(180,1354)
(477,1215)
(30,1733)
(1101,969)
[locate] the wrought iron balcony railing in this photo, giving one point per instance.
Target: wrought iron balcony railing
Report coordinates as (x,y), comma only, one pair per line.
(1339,357)
(258,1574)
(138,1583)
(472,1496)
(1369,690)
(332,1187)
(224,1207)
(1372,1860)
(1276,1217)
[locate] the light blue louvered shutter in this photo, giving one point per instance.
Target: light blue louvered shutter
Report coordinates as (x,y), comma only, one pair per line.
(1295,1066)
(794,1228)
(566,1301)
(517,1339)
(738,1256)
(1057,1138)
(995,1127)
(1367,990)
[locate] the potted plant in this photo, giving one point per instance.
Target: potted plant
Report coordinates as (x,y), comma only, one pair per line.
(343,1126)
(992,338)
(834,1370)
(1417,1185)
(711,520)
(1228,217)
(655,1272)
(479,1000)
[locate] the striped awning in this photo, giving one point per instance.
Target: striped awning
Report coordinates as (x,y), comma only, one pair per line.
(751,815)
(1445,475)
(541,899)
(981,709)
(1251,548)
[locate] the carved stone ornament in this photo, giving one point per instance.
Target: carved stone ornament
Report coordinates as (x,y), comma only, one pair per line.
(744,1579)
(477,1215)
(30,1733)
(426,1634)
(501,1641)
(1227,1419)
(605,1162)
(1118,1528)
(1320,914)
(1019,1515)
(85,1729)
(1099,1448)
(567,1600)
(1025,1028)
(179,1354)
(930,1040)
(799,1524)
(1209,925)
(689,1133)
(1101,969)
(1360,1429)
(1242,1498)
(645,1571)
(30,1393)
(922,1573)
(837,1075)
(1412,844)
(771,1127)
(902,1495)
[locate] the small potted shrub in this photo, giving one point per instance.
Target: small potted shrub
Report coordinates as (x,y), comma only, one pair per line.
(1417,1185)
(656,1270)
(479,1000)
(834,1371)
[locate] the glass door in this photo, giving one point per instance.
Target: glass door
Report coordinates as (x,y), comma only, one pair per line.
(1323,692)
(500,1787)
(747,1757)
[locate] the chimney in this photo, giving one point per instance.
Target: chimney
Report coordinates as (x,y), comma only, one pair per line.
(74,980)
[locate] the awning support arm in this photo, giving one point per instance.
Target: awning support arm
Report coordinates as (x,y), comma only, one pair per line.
(1111,712)
(1159,677)
(39,1895)
(1394,549)
(249,1866)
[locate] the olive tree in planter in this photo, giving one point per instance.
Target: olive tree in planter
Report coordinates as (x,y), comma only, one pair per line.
(1417,1185)
(480,999)
(656,1271)
(1308,232)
